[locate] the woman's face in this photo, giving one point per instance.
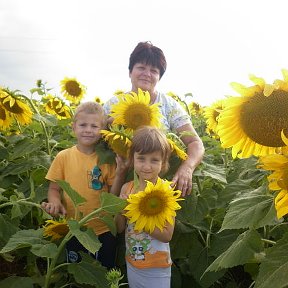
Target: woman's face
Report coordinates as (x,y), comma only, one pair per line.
(145,77)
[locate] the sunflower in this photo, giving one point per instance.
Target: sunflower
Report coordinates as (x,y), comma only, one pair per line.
(98,100)
(134,110)
(177,146)
(56,106)
(5,118)
(15,106)
(56,229)
(153,207)
(195,108)
(278,180)
(211,114)
(119,139)
(252,124)
(278,164)
(72,90)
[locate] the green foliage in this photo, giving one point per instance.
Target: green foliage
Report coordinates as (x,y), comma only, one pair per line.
(226,234)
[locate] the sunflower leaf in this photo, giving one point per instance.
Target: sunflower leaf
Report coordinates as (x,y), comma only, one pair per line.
(76,198)
(274,268)
(88,272)
(245,248)
(111,203)
(250,211)
(87,238)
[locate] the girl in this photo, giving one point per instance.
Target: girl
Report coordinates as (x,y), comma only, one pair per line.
(147,255)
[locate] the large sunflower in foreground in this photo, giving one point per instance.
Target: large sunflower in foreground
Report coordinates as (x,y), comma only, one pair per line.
(118,139)
(153,207)
(134,110)
(15,106)
(72,90)
(55,229)
(57,107)
(278,180)
(252,124)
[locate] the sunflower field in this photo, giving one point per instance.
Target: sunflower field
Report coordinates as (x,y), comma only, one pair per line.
(230,232)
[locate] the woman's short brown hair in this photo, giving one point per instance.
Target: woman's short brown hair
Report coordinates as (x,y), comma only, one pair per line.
(149,139)
(147,53)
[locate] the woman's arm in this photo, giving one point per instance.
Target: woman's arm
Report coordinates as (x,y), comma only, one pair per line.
(195,151)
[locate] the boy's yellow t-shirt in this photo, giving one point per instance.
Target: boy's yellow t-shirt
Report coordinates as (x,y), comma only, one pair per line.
(78,169)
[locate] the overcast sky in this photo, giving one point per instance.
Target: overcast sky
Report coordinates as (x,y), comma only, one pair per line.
(208,44)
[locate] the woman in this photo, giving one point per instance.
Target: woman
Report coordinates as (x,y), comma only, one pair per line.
(147,64)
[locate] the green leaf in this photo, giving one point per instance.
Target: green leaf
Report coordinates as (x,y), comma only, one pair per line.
(48,250)
(87,238)
(250,211)
(111,203)
(216,172)
(26,146)
(194,209)
(76,198)
(8,228)
(108,219)
(16,282)
(106,155)
(91,273)
(244,249)
(274,268)
(24,238)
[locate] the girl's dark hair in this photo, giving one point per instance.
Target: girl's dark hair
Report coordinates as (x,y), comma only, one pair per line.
(149,139)
(147,53)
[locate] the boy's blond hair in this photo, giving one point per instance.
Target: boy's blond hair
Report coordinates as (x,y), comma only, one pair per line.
(149,139)
(91,107)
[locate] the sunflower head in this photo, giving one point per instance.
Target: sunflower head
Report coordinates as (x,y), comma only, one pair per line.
(177,146)
(252,124)
(195,108)
(15,106)
(72,90)
(118,139)
(57,107)
(134,110)
(153,207)
(211,114)
(56,229)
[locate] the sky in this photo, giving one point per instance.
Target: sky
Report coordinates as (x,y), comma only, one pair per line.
(208,44)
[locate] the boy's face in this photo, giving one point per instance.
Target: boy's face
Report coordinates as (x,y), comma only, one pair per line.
(87,128)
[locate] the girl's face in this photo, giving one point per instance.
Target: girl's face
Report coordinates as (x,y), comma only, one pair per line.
(148,166)
(87,129)
(144,76)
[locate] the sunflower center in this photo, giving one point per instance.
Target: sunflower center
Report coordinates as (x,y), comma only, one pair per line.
(2,114)
(263,118)
(61,229)
(73,88)
(151,205)
(15,108)
(137,115)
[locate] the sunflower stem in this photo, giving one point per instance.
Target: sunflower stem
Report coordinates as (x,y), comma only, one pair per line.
(41,123)
(199,184)
(52,267)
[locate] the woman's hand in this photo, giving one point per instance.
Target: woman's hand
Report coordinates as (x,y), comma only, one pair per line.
(183,179)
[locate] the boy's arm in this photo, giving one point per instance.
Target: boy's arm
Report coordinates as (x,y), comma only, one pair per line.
(54,206)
